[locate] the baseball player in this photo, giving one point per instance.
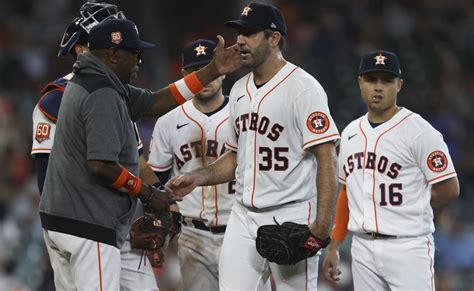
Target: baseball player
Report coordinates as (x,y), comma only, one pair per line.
(394,167)
(282,152)
(134,275)
(185,139)
(91,185)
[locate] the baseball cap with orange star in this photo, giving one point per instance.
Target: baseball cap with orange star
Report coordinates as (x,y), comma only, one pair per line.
(380,61)
(260,16)
(198,52)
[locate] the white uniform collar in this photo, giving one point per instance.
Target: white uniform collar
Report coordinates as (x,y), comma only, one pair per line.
(387,124)
(280,75)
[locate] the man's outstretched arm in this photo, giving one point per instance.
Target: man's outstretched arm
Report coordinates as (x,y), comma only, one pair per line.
(221,171)
(224,61)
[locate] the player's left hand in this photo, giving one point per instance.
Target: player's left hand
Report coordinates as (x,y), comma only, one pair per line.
(288,243)
(225,59)
(330,269)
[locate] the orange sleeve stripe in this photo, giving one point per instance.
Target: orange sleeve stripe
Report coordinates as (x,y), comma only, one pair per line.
(339,230)
(176,94)
(231,146)
(166,167)
(309,143)
(121,179)
(41,149)
(439,177)
(193,83)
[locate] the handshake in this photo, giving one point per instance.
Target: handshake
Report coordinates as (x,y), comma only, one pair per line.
(155,199)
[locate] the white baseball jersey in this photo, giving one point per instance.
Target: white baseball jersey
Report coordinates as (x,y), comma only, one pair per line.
(271,128)
(389,170)
(185,139)
(43,132)
(45,115)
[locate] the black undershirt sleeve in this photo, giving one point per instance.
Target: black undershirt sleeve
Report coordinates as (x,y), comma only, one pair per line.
(41,161)
(163,176)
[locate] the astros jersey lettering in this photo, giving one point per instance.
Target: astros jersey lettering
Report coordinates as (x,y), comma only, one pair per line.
(271,127)
(389,171)
(185,139)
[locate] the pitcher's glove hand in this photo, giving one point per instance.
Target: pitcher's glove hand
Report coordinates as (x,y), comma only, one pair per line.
(288,243)
(148,233)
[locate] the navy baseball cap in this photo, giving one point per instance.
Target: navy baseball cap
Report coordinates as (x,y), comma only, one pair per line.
(198,52)
(380,61)
(116,33)
(260,17)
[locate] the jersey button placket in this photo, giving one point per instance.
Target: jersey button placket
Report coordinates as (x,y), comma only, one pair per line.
(254,103)
(368,201)
(248,169)
(368,187)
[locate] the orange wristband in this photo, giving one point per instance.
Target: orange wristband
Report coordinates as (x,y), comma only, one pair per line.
(176,94)
(128,183)
(341,221)
(185,88)
(193,83)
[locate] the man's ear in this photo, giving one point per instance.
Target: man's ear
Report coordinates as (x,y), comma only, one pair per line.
(400,85)
(80,49)
(275,38)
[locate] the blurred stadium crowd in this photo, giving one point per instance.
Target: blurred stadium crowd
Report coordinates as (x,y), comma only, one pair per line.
(433,38)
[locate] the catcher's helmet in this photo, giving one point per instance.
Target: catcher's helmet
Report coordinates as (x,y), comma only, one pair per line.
(90,15)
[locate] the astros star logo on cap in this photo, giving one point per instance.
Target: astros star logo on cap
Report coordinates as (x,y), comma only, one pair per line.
(246,10)
(200,50)
(380,59)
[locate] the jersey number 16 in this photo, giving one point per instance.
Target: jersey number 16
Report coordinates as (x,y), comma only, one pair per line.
(395,198)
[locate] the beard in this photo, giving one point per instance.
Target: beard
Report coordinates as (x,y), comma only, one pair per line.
(256,57)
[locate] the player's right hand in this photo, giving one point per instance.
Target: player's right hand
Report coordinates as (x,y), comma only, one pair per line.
(180,186)
(154,200)
(225,60)
(330,269)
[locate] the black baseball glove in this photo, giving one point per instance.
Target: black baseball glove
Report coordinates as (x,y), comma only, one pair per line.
(288,243)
